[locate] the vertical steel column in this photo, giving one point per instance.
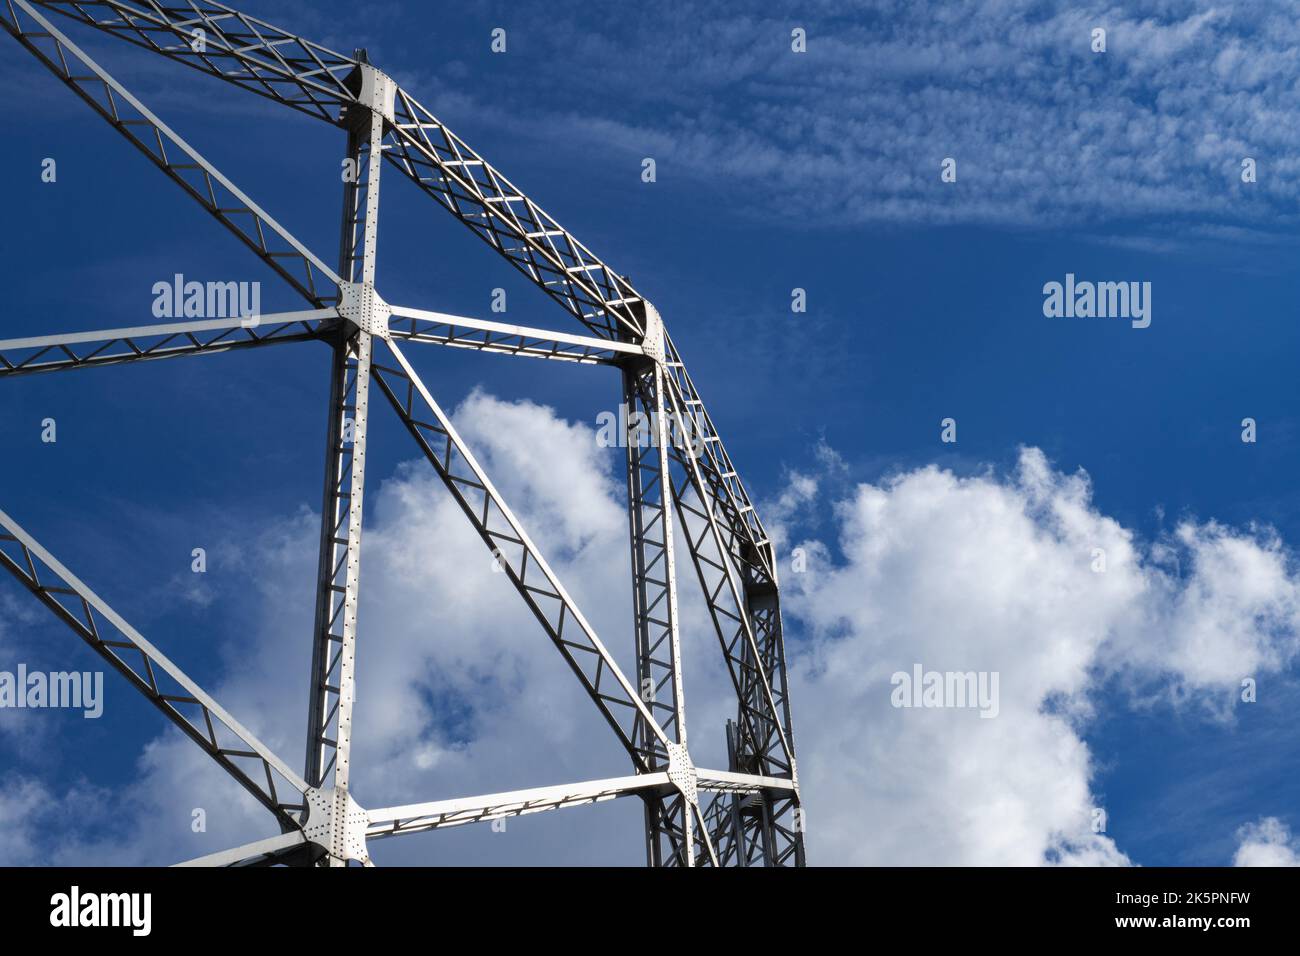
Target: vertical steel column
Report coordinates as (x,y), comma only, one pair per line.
(783,823)
(769,829)
(744,603)
(669,826)
(334,647)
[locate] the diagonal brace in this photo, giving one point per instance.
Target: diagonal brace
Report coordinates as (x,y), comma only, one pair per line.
(222,737)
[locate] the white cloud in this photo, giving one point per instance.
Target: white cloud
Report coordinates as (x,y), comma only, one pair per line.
(460,693)
(21,801)
(992,574)
(1266,843)
(1045,131)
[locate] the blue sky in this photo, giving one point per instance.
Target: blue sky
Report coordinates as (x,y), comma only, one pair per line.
(775,170)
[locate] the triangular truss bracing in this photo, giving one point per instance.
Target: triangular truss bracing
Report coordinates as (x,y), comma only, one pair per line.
(681,483)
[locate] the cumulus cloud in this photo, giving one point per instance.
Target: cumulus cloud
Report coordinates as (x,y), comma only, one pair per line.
(460,693)
(1266,843)
(992,574)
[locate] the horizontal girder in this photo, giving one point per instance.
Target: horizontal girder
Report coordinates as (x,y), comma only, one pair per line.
(418,325)
(50,353)
(440,814)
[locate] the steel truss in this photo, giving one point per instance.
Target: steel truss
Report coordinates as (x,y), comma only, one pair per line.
(679,475)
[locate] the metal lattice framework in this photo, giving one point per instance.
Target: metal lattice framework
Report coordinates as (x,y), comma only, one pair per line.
(681,479)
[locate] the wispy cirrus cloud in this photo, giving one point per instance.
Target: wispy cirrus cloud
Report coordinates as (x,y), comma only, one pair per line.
(1045,132)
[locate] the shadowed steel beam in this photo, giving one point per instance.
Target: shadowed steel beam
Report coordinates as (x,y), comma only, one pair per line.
(418,325)
(258,852)
(51,353)
(516,554)
(181,162)
(722,819)
(181,700)
(726,781)
(756,829)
